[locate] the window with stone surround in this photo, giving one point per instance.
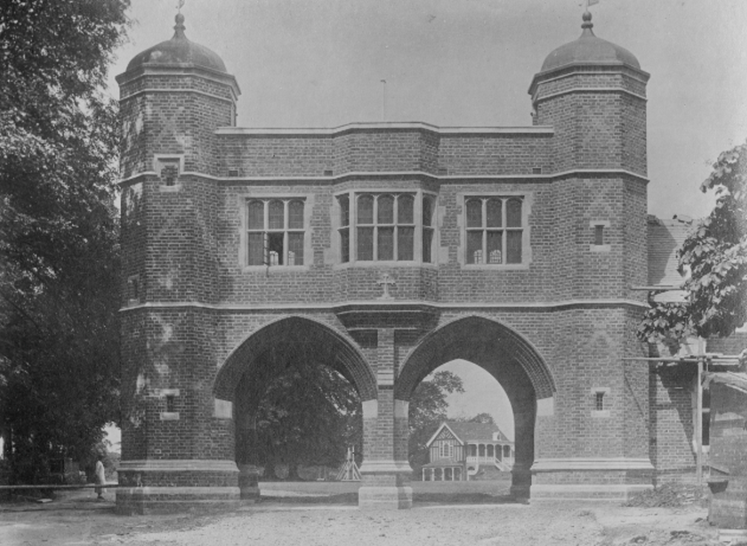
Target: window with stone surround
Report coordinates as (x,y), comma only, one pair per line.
(386,227)
(600,404)
(599,236)
(494,230)
(276,232)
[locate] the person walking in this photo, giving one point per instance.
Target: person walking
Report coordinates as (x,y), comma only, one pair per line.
(100,478)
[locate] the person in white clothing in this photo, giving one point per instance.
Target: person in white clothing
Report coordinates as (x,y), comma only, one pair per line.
(100,479)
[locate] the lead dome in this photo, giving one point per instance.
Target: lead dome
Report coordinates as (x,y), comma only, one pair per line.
(178,50)
(588,49)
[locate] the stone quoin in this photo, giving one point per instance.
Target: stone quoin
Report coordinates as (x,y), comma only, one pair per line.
(385,250)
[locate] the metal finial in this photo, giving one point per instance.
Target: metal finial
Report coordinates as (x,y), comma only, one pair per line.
(587,20)
(179,27)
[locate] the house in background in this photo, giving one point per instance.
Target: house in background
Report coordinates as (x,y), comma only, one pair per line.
(458,451)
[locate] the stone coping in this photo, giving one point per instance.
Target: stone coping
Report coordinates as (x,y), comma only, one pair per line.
(177,465)
(587,464)
(385,467)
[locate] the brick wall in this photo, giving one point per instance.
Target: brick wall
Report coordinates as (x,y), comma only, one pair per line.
(672,427)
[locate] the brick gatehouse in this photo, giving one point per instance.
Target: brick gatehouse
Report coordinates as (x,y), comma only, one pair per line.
(385,250)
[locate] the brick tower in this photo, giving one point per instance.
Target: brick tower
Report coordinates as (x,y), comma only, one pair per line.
(593,94)
(173,97)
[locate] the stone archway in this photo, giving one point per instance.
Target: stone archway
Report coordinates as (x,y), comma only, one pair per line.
(264,354)
(503,353)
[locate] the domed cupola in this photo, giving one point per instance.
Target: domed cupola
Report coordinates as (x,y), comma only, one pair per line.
(178,51)
(593,93)
(588,49)
(173,96)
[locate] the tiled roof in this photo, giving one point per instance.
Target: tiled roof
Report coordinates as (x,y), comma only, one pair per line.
(732,345)
(470,432)
(665,237)
(734,379)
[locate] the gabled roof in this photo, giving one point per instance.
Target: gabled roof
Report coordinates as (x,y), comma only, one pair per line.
(665,237)
(470,432)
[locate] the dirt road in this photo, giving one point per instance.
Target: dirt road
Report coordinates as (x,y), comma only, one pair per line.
(77,519)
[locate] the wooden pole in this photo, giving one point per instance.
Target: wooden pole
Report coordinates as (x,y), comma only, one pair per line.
(699,419)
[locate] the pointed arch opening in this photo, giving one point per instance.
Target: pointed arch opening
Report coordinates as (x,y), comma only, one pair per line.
(296,386)
(272,346)
(508,357)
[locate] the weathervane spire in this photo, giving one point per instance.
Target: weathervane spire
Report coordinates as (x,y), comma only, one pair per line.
(587,24)
(179,28)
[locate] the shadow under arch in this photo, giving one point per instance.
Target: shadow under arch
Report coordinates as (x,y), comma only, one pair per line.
(268,352)
(507,356)
(294,337)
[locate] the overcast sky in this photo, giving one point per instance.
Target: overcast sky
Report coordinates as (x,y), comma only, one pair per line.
(318,63)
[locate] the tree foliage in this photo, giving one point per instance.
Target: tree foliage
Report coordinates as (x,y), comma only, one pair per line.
(309,415)
(428,407)
(482,418)
(716,255)
(58,234)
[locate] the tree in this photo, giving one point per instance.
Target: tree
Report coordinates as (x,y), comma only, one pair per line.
(482,418)
(58,234)
(716,255)
(308,415)
(428,407)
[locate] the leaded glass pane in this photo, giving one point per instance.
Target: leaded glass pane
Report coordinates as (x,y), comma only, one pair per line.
(513,213)
(295,249)
(256,250)
(256,215)
(275,251)
(365,244)
(385,243)
(474,247)
(598,235)
(385,213)
(474,213)
(277,214)
(495,247)
(427,245)
(427,211)
(295,215)
(494,213)
(513,247)
(405,243)
(365,209)
(405,206)
(344,210)
(345,245)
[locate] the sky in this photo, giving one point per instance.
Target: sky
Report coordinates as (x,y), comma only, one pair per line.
(319,63)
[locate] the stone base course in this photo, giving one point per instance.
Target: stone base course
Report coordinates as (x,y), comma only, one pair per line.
(386,498)
(169,499)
